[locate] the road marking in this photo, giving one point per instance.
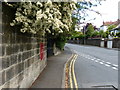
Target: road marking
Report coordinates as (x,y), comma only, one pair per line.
(93,59)
(96,61)
(108,62)
(64,76)
(114,68)
(74,77)
(107,65)
(72,73)
(71,83)
(101,62)
(115,65)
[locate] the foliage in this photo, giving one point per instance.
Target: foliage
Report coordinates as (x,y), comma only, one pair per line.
(53,18)
(118,34)
(81,12)
(76,34)
(95,33)
(111,27)
(90,31)
(60,41)
(84,6)
(74,20)
(81,36)
(102,34)
(107,33)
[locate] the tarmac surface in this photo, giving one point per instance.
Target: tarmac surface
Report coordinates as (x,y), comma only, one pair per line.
(95,66)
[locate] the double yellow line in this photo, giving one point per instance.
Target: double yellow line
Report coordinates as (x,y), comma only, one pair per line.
(72,76)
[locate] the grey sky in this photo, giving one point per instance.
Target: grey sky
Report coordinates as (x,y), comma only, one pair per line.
(109,11)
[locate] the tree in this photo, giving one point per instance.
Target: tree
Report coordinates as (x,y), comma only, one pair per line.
(41,17)
(107,33)
(118,34)
(90,31)
(84,6)
(95,34)
(102,34)
(111,27)
(55,19)
(44,18)
(76,34)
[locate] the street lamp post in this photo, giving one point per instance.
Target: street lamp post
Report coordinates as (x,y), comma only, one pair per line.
(84,35)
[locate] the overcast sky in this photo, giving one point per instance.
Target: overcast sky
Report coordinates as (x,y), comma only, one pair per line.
(109,11)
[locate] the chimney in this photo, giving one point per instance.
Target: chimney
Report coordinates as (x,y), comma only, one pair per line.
(103,23)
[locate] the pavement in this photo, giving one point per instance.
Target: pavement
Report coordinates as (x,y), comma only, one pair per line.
(53,75)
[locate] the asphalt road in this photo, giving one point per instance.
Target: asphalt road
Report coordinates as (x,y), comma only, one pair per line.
(95,66)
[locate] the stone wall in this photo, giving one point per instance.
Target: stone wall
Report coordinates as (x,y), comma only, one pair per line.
(20,62)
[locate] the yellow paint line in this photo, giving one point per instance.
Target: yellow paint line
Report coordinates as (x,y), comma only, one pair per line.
(65,70)
(74,77)
(71,83)
(72,73)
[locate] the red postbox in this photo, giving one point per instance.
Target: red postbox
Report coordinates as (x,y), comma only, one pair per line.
(41,51)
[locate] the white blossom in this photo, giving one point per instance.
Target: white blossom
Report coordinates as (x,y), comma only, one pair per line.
(49,21)
(47,10)
(48,30)
(61,31)
(66,27)
(12,24)
(50,16)
(39,15)
(73,6)
(23,30)
(18,19)
(46,15)
(26,24)
(49,3)
(5,0)
(33,31)
(51,11)
(52,33)
(75,1)
(39,12)
(39,4)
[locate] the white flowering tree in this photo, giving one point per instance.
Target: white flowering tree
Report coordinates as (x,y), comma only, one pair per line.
(42,17)
(53,18)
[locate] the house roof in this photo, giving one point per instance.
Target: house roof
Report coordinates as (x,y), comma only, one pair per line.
(111,23)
